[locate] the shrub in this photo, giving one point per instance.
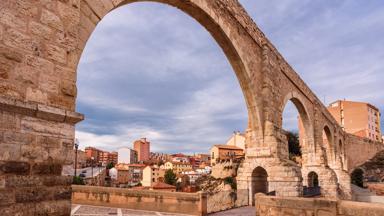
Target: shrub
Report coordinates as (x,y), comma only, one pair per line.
(77,180)
(231,181)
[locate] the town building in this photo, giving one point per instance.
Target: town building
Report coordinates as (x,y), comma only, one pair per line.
(237,139)
(204,158)
(99,157)
(193,175)
(162,187)
(225,152)
(126,156)
(142,147)
(358,118)
(129,174)
(177,167)
(81,159)
(92,152)
(152,174)
(179,157)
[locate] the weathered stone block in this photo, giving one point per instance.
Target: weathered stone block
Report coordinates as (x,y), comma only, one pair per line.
(34,152)
(15,167)
(7,197)
(43,127)
(40,30)
(9,19)
(9,53)
(47,168)
(36,95)
(51,19)
(62,193)
(17,39)
(56,53)
(9,121)
(70,15)
(1,32)
(11,137)
(56,180)
(33,194)
(68,88)
(50,113)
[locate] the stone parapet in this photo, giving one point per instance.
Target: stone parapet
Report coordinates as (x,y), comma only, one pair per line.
(281,206)
(162,201)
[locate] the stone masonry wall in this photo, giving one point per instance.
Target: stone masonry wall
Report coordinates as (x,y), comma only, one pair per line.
(359,150)
(162,201)
(282,206)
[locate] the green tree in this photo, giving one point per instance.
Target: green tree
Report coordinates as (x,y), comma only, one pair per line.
(231,181)
(293,144)
(170,177)
(77,180)
(110,165)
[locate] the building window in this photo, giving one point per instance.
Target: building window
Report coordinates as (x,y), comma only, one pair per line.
(213,155)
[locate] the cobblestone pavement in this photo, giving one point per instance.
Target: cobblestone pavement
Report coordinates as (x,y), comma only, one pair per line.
(86,210)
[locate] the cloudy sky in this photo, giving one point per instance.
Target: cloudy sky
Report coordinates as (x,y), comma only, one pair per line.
(149,70)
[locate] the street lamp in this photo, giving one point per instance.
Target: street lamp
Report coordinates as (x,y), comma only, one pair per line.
(76,148)
(92,158)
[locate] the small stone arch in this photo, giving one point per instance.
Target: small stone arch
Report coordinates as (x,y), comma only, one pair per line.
(259,179)
(307,138)
(328,144)
(313,179)
(357,177)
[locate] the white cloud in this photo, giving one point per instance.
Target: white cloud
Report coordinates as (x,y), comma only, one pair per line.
(150,70)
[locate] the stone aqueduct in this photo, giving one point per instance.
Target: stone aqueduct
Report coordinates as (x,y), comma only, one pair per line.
(40,46)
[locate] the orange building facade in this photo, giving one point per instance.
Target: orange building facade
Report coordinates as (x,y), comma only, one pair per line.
(142,147)
(100,157)
(358,118)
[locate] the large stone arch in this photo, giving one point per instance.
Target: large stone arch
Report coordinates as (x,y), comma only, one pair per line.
(222,26)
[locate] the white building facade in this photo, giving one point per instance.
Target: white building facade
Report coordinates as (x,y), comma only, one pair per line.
(127,156)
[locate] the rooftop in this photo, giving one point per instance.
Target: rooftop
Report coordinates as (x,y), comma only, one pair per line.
(220,146)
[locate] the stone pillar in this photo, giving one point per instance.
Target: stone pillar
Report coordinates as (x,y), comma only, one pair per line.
(35,142)
(203,206)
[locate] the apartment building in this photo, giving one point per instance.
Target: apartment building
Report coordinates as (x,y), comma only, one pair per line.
(358,118)
(100,157)
(142,147)
(151,175)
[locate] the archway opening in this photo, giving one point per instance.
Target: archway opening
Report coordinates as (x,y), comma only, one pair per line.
(328,145)
(313,179)
(259,182)
(357,177)
(296,126)
(179,90)
(313,189)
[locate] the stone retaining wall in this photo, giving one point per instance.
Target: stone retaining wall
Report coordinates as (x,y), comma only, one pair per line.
(276,206)
(184,203)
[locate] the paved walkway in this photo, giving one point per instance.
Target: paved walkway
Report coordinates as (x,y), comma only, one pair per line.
(86,210)
(243,211)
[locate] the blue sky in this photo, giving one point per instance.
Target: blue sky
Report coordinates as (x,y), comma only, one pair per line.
(149,70)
